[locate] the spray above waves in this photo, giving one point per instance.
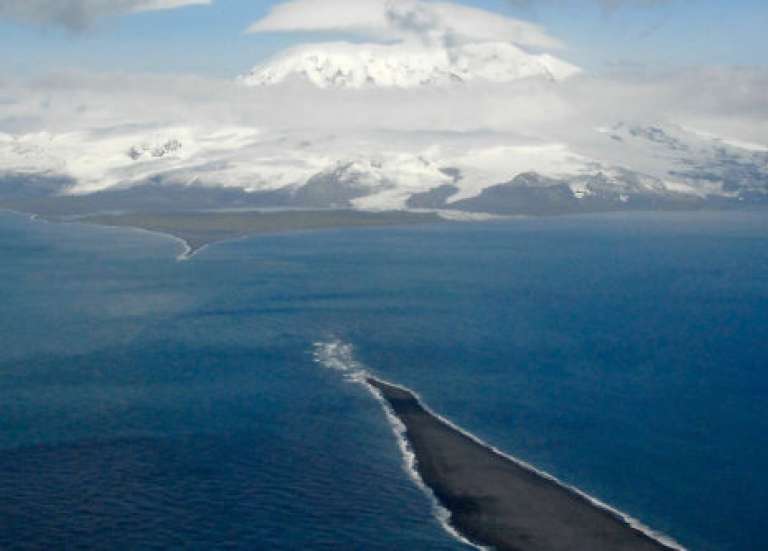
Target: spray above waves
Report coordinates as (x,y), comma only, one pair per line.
(339,356)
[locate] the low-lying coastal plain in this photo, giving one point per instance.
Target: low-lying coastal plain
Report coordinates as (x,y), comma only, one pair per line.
(496,502)
(201,228)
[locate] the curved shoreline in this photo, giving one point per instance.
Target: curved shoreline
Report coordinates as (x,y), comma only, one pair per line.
(470,508)
(186,254)
(199,229)
(195,230)
(187,251)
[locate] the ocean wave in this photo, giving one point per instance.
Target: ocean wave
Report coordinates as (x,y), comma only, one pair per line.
(339,356)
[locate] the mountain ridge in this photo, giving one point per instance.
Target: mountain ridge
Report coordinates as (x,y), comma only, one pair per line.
(358,66)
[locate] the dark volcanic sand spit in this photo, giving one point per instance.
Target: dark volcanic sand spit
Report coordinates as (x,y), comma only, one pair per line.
(496,502)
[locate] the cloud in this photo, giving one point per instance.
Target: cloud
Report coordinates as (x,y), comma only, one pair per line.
(607,5)
(402,20)
(83,100)
(79,14)
(84,125)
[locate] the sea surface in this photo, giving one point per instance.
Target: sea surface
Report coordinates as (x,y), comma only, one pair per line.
(151,403)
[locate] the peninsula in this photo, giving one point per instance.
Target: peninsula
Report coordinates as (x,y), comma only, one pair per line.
(497,502)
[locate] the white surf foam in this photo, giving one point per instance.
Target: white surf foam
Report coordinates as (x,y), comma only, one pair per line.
(186,254)
(337,355)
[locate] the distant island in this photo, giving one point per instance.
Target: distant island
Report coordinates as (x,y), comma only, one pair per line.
(495,501)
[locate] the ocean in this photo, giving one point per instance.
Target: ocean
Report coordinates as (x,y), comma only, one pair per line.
(152,403)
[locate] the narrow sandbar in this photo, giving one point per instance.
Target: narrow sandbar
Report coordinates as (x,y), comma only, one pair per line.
(497,502)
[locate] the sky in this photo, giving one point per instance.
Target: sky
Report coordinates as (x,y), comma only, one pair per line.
(209,38)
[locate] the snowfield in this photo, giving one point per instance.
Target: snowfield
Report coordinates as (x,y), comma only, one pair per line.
(343,65)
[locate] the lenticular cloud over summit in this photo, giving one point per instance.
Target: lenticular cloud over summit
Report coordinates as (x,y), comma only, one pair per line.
(402,20)
(411,43)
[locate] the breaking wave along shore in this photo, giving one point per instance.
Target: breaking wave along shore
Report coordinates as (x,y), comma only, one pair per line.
(484,497)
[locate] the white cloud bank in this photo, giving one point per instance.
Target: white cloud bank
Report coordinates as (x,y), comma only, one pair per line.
(87,127)
(79,14)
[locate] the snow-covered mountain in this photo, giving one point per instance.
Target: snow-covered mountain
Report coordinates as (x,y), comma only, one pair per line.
(355,66)
(445,107)
(621,167)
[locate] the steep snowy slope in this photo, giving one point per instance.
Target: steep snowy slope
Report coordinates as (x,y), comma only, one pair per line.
(355,66)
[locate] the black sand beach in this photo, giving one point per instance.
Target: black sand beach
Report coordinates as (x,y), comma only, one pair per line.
(496,502)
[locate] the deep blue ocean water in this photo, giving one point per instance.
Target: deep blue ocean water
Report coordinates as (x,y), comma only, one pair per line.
(150,403)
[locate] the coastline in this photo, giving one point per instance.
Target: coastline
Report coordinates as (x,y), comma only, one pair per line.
(187,251)
(472,482)
(186,254)
(196,230)
(338,356)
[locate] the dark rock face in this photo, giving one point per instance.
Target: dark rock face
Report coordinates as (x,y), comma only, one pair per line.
(528,193)
(435,198)
(336,189)
(534,194)
(740,175)
(171,146)
(516,199)
(659,136)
